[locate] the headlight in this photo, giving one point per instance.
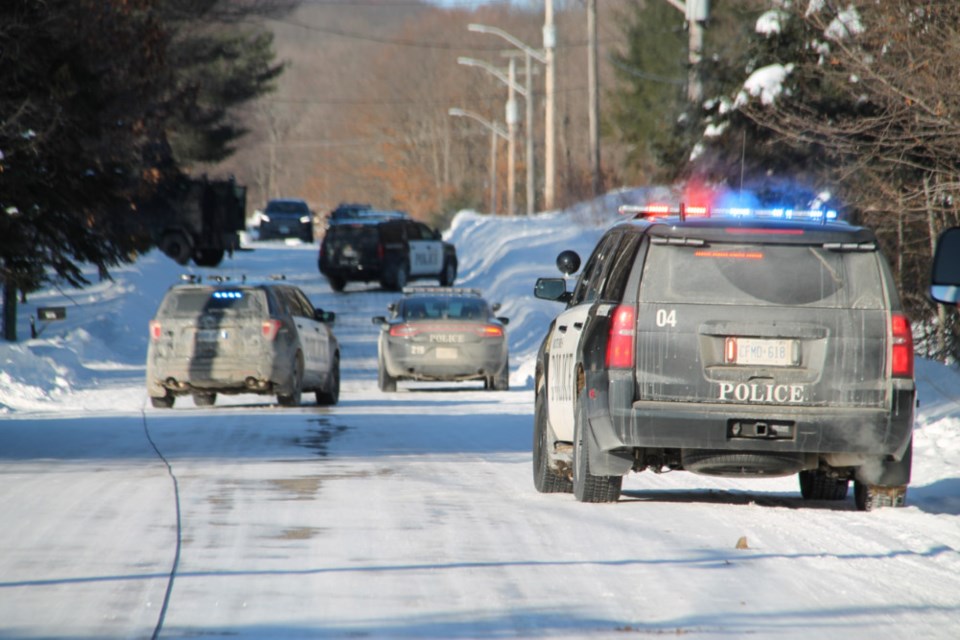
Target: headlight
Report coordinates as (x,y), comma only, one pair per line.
(304,219)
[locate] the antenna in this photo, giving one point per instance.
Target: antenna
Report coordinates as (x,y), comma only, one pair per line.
(743,155)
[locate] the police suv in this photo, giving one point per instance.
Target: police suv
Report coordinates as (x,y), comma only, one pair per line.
(728,343)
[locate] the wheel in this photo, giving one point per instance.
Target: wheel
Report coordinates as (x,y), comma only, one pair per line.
(586,486)
(871,497)
(204,399)
(177,246)
(336,283)
(166,402)
(500,381)
(385,381)
(208,257)
(449,274)
(331,394)
(817,485)
(397,279)
(293,398)
(546,477)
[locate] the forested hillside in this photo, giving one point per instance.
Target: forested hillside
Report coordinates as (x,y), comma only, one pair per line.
(361,112)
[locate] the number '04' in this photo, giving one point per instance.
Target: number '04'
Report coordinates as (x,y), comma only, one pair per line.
(666,317)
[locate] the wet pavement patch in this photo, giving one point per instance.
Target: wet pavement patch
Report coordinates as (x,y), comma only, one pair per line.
(318,439)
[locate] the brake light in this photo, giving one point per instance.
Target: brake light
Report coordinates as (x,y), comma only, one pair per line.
(620,341)
(381,251)
(490,331)
(155,331)
(901,356)
(403,331)
(270,328)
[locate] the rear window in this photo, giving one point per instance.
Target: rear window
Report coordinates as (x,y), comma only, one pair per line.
(193,302)
(352,233)
(741,274)
(444,308)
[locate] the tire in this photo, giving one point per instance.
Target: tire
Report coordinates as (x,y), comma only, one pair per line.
(165,402)
(586,486)
(546,478)
(817,485)
(741,464)
(385,381)
(208,257)
(204,399)
(178,246)
(336,283)
(397,279)
(331,394)
(872,497)
(294,398)
(449,274)
(501,381)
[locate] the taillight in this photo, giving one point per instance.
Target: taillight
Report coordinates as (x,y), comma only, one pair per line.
(381,251)
(490,331)
(901,356)
(403,331)
(620,342)
(270,328)
(155,331)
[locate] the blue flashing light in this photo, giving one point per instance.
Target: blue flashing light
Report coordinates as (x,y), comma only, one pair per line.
(228,295)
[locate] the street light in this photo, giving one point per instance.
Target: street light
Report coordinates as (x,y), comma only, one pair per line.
(531,54)
(512,120)
(495,130)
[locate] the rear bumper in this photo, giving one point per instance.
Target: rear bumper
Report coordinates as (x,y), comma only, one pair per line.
(618,422)
(222,375)
(355,272)
(476,364)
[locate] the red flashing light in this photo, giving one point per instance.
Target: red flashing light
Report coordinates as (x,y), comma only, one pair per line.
(620,342)
(155,331)
(901,352)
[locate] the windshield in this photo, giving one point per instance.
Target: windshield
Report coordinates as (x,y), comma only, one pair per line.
(282,207)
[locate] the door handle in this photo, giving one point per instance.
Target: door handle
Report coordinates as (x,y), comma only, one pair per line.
(562,328)
(578,325)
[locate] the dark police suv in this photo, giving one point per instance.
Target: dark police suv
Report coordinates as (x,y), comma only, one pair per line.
(727,343)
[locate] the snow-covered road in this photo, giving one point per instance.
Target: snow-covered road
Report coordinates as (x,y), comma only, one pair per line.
(413,515)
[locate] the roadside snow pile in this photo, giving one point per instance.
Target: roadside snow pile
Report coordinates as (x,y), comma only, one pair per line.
(31,375)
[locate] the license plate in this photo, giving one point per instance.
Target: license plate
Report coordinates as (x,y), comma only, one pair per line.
(763,352)
(284,229)
(446,353)
(209,335)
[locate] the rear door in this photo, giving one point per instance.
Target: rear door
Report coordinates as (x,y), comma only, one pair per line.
(207,324)
(426,250)
(564,340)
(792,325)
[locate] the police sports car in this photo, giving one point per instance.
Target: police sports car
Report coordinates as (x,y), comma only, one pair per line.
(444,334)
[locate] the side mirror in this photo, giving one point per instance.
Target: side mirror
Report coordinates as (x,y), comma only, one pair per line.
(945,275)
(324,316)
(392,307)
(503,321)
(379,320)
(568,262)
(495,307)
(554,289)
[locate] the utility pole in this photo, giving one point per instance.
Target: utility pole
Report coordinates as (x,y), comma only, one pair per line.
(696,13)
(593,95)
(550,88)
(512,118)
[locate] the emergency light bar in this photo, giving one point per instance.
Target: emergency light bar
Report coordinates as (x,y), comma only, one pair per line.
(684,211)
